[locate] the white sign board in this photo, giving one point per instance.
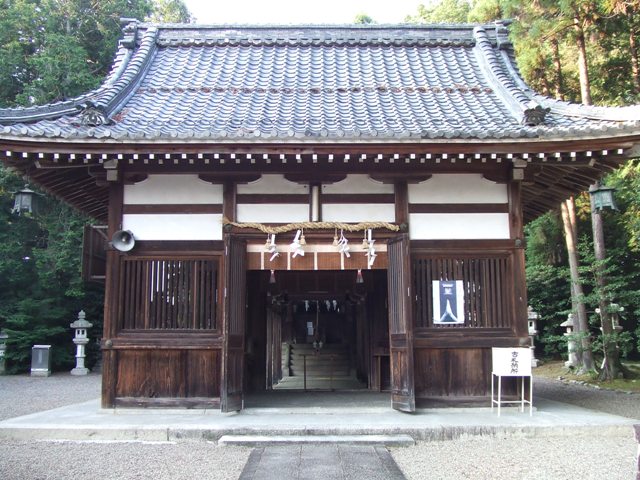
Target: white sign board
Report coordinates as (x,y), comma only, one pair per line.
(511,362)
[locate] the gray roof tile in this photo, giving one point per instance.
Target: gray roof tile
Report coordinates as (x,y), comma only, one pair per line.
(315,83)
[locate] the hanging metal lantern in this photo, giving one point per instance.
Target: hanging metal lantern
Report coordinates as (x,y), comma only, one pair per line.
(602,197)
(25,201)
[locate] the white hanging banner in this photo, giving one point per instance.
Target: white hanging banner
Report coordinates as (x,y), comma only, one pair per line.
(448,302)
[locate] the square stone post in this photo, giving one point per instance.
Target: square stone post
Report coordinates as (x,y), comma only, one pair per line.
(636,429)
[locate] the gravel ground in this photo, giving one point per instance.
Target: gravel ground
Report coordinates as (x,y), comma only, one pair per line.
(478,458)
(23,394)
(585,458)
(609,401)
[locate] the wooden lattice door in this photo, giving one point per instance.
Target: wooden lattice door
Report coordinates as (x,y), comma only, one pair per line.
(400,325)
(231,396)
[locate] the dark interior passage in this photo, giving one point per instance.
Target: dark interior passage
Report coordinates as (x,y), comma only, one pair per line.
(317,330)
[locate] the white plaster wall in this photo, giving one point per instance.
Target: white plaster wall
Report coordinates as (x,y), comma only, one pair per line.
(358,212)
(174,226)
(458,226)
(272,213)
(357,184)
(272,183)
(458,188)
(172,189)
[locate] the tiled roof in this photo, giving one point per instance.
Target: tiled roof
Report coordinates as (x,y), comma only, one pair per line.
(177,83)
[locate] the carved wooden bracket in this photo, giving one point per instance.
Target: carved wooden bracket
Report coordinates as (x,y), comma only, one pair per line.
(226,177)
(315,178)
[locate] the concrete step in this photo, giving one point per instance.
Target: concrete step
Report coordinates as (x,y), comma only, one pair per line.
(267,440)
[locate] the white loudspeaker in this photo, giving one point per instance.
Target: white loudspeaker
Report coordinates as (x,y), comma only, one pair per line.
(123,240)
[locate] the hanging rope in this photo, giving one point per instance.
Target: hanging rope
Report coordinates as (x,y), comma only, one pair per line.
(347,227)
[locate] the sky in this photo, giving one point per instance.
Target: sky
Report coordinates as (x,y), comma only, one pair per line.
(300,11)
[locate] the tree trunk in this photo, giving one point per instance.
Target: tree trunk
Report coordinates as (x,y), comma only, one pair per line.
(611,367)
(577,295)
(633,50)
(557,64)
(585,86)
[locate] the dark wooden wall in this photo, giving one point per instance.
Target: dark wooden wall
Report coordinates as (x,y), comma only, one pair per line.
(163,326)
(453,362)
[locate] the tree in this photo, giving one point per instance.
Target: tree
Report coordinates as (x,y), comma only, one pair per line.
(364,19)
(52,50)
(485,11)
(40,287)
(628,9)
(170,11)
(443,11)
(62,71)
(581,326)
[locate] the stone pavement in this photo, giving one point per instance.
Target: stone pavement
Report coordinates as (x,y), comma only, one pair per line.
(355,417)
(327,462)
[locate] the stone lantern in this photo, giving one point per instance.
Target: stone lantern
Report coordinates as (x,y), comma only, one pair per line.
(3,348)
(532,319)
(81,326)
(571,342)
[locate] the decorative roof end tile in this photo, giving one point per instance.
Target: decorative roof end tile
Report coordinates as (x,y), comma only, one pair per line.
(129,32)
(94,116)
(502,35)
(534,114)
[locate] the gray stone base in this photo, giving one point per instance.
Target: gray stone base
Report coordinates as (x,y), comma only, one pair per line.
(636,428)
(80,371)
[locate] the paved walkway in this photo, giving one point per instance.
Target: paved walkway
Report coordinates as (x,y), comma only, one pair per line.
(328,462)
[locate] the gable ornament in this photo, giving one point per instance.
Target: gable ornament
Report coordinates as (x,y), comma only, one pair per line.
(94,116)
(534,115)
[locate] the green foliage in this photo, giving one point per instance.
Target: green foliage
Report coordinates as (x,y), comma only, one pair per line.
(485,11)
(624,341)
(545,240)
(41,291)
(53,50)
(544,34)
(170,11)
(443,11)
(63,71)
(364,19)
(553,345)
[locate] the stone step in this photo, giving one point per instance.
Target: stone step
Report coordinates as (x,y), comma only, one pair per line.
(308,348)
(336,364)
(266,440)
(320,360)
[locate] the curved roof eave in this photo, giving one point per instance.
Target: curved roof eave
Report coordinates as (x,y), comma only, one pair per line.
(111,143)
(129,68)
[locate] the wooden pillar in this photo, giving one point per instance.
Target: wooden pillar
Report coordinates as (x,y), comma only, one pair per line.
(516,224)
(111,300)
(402,202)
(229,200)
